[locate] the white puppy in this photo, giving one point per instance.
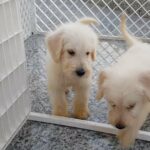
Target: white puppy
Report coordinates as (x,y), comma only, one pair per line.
(72,48)
(126,87)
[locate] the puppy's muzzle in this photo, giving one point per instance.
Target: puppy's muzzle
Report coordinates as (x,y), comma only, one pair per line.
(80,72)
(120,126)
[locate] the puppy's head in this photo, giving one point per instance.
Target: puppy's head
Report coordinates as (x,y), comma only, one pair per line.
(127,96)
(73,46)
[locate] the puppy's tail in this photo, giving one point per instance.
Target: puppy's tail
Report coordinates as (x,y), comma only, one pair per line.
(87,21)
(129,38)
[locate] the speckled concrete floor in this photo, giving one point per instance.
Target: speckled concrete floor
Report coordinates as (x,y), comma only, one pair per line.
(41,136)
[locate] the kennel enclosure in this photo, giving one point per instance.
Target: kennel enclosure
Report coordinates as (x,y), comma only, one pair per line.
(40,16)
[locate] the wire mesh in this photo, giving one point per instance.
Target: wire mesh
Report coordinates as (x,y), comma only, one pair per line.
(50,14)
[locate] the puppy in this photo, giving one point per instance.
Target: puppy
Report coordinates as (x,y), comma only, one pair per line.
(72,48)
(126,87)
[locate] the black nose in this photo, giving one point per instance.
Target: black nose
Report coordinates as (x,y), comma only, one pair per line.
(120,126)
(80,72)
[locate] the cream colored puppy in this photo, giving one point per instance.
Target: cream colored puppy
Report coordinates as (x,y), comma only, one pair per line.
(126,87)
(72,48)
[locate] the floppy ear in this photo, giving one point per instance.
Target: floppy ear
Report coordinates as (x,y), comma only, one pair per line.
(54,43)
(102,78)
(87,21)
(145,80)
(93,55)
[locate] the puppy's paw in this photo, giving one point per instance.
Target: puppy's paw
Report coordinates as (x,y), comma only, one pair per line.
(126,138)
(81,114)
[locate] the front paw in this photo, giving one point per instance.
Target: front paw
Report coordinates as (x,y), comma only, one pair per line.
(84,114)
(126,138)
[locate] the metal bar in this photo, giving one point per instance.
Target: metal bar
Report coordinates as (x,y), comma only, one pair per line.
(60,10)
(39,28)
(42,22)
(45,15)
(51,11)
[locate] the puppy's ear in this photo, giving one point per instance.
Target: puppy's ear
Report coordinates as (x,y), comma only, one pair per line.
(54,43)
(101,80)
(145,80)
(87,21)
(93,55)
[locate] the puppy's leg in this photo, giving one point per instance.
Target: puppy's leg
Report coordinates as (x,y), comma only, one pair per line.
(128,136)
(81,110)
(59,104)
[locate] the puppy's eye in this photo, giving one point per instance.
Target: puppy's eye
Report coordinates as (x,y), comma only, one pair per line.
(130,106)
(71,52)
(87,53)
